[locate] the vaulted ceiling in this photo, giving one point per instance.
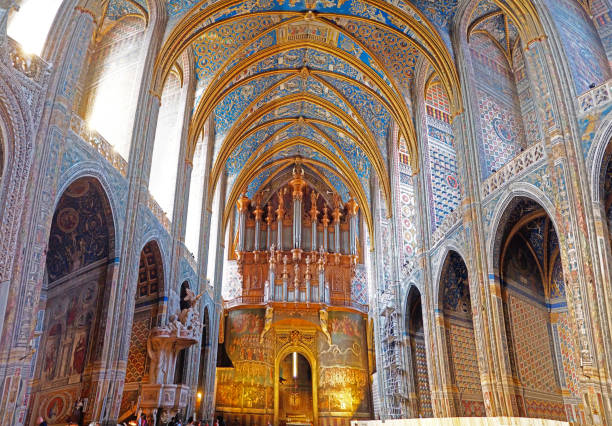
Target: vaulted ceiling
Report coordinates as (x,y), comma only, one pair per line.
(326,81)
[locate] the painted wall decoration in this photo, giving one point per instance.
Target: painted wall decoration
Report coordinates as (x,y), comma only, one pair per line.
(586,56)
(79,243)
(460,340)
(502,134)
(79,233)
(539,329)
(249,385)
(441,157)
(343,374)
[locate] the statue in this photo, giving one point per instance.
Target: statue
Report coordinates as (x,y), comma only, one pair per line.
(322,259)
(272,260)
(308,275)
(267,324)
(323,321)
(190,317)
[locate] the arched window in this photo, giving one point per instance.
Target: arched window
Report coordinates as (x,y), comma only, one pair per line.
(31,24)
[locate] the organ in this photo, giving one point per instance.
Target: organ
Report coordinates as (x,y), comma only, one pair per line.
(296,245)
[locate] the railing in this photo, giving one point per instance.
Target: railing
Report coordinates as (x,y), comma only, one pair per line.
(101,145)
(517,165)
(447,224)
(158,212)
(259,300)
(595,97)
(31,66)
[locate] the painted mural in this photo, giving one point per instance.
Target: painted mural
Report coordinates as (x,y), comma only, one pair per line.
(79,234)
(586,56)
(77,272)
(502,133)
(343,373)
(249,386)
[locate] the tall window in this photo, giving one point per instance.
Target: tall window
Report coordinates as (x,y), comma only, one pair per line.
(30,25)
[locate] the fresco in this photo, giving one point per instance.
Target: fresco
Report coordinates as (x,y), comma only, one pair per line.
(250,383)
(79,232)
(343,373)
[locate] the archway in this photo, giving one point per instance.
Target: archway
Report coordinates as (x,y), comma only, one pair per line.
(418,357)
(74,301)
(307,358)
(460,338)
(540,334)
(295,389)
(147,312)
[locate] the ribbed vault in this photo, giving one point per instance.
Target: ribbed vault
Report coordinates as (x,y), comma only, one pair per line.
(324,83)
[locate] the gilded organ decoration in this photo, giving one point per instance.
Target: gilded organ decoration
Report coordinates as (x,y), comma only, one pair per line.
(305,252)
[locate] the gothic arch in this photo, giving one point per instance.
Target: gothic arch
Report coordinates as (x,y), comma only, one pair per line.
(438,270)
(415,332)
(598,157)
(77,288)
(90,169)
(149,310)
(537,325)
(461,354)
(503,209)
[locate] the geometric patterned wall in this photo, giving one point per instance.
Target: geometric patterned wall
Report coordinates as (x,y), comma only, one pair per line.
(441,157)
(418,354)
(540,335)
(146,313)
(586,56)
(460,340)
(502,135)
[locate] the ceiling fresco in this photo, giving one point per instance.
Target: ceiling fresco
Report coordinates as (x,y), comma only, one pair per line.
(323,80)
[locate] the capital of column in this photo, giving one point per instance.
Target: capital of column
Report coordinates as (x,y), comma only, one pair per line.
(325,219)
(243,203)
(352,207)
(297,183)
(313,205)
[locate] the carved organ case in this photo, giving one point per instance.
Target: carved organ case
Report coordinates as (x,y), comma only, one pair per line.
(293,244)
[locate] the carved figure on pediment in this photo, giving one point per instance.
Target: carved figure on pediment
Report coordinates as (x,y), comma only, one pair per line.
(268,323)
(322,259)
(189,316)
(323,317)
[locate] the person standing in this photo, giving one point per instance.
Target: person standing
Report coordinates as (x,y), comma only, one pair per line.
(40,421)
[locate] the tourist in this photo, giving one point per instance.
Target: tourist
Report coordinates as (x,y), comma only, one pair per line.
(40,421)
(142,421)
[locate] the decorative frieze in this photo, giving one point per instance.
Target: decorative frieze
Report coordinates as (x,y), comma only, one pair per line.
(533,155)
(101,145)
(31,66)
(445,227)
(595,98)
